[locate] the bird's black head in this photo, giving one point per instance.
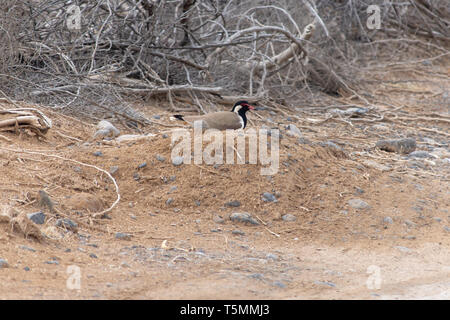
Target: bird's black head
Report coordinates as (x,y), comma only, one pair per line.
(242,107)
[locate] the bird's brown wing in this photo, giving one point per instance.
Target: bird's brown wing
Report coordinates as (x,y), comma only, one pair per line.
(218,120)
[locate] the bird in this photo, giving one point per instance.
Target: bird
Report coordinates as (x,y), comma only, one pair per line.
(222,120)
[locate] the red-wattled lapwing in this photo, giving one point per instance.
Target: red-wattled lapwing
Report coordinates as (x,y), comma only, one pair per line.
(223,120)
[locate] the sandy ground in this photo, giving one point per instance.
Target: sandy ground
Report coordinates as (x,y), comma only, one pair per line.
(396,248)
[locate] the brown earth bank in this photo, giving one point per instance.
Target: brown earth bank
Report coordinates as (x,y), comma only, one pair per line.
(340,219)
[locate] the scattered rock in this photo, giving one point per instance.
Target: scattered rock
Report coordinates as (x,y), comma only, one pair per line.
(376,165)
(420,154)
(279,284)
(447,228)
(403,249)
(402,146)
(27,248)
(178,160)
(288,217)
(26,269)
(437,219)
(197,203)
(293,131)
(243,217)
(157,117)
(113,169)
(388,220)
(84,201)
(234,204)
(238,232)
(169,201)
(268,197)
(410,223)
(218,219)
(325,283)
(3,263)
(358,204)
(93,255)
(271,256)
(106,129)
(165,135)
(123,236)
(160,158)
(98,153)
(37,217)
(67,224)
(142,165)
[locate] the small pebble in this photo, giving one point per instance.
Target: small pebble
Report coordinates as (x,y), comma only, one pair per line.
(123,236)
(37,217)
(243,217)
(93,255)
(160,158)
(234,203)
(238,232)
(26,269)
(176,161)
(98,153)
(268,197)
(3,263)
(358,204)
(388,220)
(404,146)
(67,224)
(289,217)
(113,169)
(169,201)
(142,165)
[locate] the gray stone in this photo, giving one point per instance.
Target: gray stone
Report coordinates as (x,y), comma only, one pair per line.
(293,131)
(243,217)
(169,201)
(325,283)
(218,219)
(437,219)
(160,158)
(142,165)
(410,223)
(37,217)
(404,146)
(289,217)
(268,197)
(447,228)
(403,249)
(165,135)
(234,204)
(238,232)
(52,262)
(123,236)
(420,154)
(113,169)
(176,161)
(27,269)
(98,154)
(388,220)
(27,248)
(197,203)
(157,117)
(93,255)
(331,145)
(3,263)
(271,256)
(358,204)
(279,284)
(67,223)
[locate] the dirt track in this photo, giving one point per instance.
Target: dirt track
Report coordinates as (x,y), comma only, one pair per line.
(190,249)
